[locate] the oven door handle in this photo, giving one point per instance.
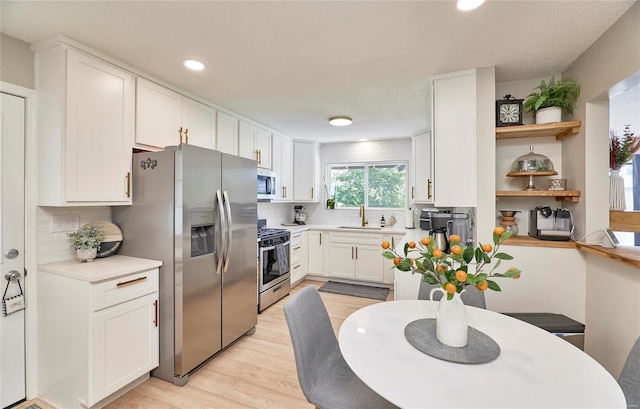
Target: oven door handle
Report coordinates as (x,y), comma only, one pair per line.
(222,231)
(272,247)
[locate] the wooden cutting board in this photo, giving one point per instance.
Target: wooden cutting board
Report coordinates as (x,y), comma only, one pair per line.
(110,230)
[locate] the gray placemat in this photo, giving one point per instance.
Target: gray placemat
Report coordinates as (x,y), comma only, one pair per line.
(480,348)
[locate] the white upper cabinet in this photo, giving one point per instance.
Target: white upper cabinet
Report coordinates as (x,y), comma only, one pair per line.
(255,143)
(198,124)
(165,118)
(85,129)
(227,133)
(282,165)
(454,133)
(305,172)
(422,169)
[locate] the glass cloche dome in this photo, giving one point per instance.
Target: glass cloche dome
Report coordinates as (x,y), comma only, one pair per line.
(533,163)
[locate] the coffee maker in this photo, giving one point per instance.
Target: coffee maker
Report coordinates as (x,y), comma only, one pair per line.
(547,224)
(300,215)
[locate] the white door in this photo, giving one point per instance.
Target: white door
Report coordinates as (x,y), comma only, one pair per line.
(12,327)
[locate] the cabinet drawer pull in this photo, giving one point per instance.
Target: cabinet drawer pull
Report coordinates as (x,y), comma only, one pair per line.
(296,248)
(180,133)
(298,266)
(413,192)
(135,280)
(429,189)
(186,136)
(321,239)
(312,193)
(351,253)
(155,318)
(356,253)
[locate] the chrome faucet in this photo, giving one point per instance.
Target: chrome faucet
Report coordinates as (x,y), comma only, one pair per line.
(363,221)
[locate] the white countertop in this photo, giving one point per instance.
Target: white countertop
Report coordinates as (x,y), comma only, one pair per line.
(99,269)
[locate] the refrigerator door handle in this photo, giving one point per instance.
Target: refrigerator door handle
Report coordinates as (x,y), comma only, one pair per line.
(222,230)
(229,231)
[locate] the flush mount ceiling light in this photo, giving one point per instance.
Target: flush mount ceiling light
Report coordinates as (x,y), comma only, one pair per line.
(194,65)
(340,121)
(466,5)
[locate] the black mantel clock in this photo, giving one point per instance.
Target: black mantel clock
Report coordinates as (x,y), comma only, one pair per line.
(508,111)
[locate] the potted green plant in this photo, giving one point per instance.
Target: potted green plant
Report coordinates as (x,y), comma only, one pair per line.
(547,104)
(86,242)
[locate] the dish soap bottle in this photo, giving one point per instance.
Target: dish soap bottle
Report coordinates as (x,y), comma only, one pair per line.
(382,222)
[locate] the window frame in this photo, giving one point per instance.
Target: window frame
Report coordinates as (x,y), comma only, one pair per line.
(367,165)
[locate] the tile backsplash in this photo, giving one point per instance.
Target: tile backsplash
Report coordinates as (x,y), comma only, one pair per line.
(55,222)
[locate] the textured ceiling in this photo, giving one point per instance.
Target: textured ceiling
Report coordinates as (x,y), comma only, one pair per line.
(291,65)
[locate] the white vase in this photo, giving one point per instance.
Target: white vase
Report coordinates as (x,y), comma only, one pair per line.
(548,115)
(87,255)
(617,200)
(451,320)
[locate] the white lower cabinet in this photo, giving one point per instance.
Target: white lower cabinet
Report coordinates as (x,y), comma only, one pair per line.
(317,243)
(356,256)
(96,337)
(299,249)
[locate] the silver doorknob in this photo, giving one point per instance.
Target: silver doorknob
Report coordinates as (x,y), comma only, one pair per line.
(12,275)
(11,253)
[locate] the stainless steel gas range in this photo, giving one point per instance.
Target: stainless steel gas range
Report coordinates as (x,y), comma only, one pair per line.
(274,253)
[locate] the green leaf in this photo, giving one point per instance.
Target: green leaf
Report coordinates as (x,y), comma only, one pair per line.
(419,265)
(485,257)
(450,275)
(512,272)
(503,256)
(481,277)
(479,254)
(467,254)
(494,286)
(429,279)
(403,267)
(456,258)
(406,249)
(449,297)
(471,279)
(428,264)
(496,239)
(388,254)
(505,235)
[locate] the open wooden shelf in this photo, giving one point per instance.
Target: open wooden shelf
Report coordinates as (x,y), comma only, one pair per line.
(564,195)
(560,130)
(533,242)
(624,254)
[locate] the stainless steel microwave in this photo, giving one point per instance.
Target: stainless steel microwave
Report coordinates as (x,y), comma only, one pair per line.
(266,184)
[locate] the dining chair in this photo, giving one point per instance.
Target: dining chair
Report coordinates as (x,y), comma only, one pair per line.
(471,296)
(325,378)
(629,379)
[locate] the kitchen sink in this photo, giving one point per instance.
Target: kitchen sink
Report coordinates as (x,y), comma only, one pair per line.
(360,227)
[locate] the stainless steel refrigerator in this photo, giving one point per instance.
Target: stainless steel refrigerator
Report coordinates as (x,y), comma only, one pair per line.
(195,209)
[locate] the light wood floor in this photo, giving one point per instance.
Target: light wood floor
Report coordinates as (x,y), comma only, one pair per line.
(258,372)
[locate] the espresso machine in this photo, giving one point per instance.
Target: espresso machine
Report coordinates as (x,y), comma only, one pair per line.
(547,224)
(300,216)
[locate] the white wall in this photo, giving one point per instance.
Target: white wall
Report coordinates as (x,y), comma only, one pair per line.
(612,288)
(16,62)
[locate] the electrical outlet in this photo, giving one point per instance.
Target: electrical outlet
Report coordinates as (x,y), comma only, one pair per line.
(67,222)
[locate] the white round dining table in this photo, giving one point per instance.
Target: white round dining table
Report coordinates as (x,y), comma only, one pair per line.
(535,369)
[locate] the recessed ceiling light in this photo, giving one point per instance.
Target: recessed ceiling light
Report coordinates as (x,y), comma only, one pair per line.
(466,5)
(340,121)
(194,65)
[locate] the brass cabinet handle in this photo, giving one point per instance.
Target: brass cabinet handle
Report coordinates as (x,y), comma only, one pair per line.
(413,192)
(429,188)
(186,136)
(128,184)
(155,318)
(180,133)
(297,248)
(351,253)
(135,280)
